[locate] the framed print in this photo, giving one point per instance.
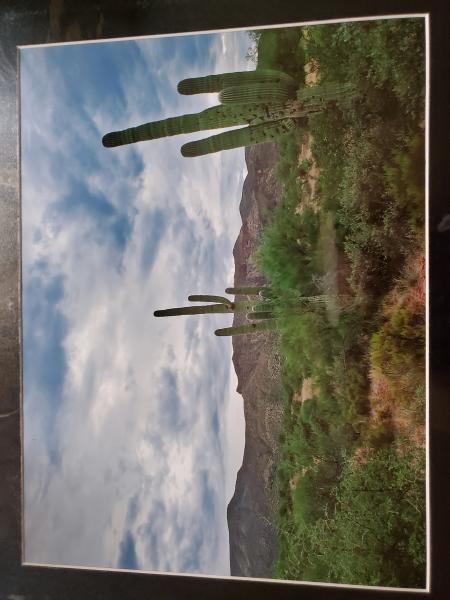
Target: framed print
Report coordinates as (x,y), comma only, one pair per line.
(225,346)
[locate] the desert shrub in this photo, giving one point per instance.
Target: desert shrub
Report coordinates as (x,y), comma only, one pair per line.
(399,345)
(374,535)
(380,435)
(371,156)
(398,350)
(378,502)
(405,178)
(308,410)
(285,252)
(306,500)
(281,49)
(352,392)
(385,59)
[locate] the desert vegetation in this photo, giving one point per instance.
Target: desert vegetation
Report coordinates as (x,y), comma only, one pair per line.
(344,259)
(350,230)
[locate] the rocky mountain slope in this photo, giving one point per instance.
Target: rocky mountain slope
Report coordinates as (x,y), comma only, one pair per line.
(251,510)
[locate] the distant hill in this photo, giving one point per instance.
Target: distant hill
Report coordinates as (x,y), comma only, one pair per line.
(251,510)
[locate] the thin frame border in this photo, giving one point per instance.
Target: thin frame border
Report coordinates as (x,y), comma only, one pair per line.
(425,16)
(171,7)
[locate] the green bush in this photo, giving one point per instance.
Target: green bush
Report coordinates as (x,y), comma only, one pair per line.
(405,180)
(374,535)
(306,500)
(399,345)
(281,49)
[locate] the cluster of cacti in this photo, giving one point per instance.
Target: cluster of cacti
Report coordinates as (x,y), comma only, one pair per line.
(264,100)
(256,310)
(262,312)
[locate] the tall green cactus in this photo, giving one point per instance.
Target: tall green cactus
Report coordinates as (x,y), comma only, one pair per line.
(216,83)
(221,304)
(262,99)
(262,312)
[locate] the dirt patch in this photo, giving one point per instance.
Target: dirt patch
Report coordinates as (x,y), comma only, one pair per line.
(311,72)
(293,481)
(361,455)
(309,170)
(307,391)
(309,174)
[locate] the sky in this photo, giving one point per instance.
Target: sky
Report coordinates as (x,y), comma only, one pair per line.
(133,430)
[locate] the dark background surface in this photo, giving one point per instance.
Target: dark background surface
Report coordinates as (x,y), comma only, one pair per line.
(27,22)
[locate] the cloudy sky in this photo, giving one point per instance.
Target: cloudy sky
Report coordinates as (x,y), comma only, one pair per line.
(133,431)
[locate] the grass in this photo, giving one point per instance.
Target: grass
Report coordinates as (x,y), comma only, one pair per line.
(351,501)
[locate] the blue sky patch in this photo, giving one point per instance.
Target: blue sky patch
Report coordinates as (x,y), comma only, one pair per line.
(141,460)
(127,557)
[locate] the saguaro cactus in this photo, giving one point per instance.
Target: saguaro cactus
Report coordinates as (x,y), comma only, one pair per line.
(262,311)
(221,304)
(263,99)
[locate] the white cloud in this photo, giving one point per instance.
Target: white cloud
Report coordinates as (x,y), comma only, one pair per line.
(110,430)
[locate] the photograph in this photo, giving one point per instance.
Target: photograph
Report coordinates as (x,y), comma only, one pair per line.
(224,259)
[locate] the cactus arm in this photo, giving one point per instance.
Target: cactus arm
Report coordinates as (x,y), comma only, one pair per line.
(215,83)
(213,117)
(249,328)
(244,291)
(260,315)
(257,93)
(246,136)
(192,310)
(210,298)
(262,306)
